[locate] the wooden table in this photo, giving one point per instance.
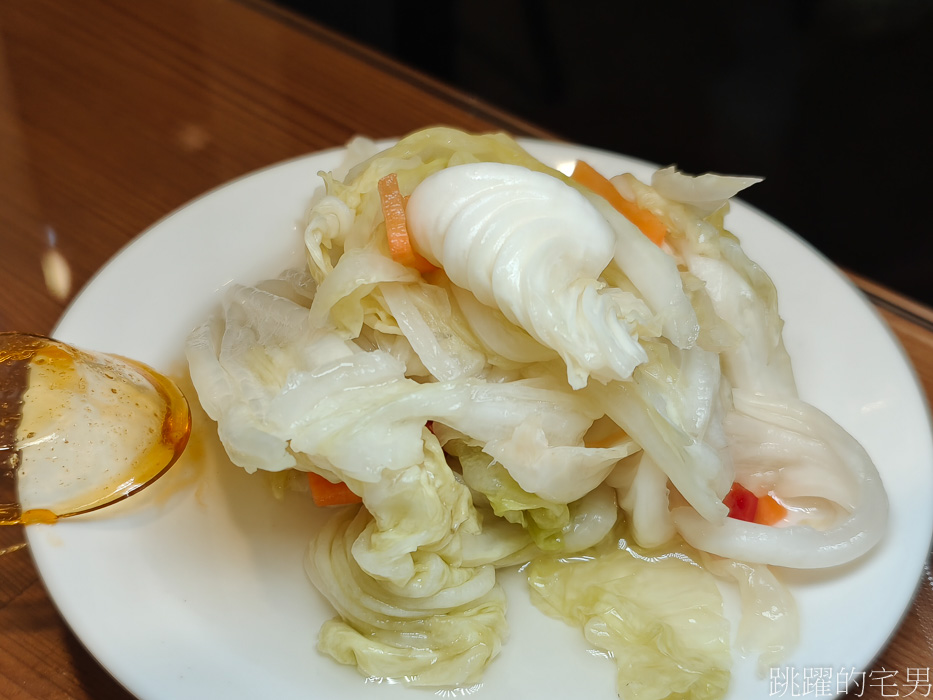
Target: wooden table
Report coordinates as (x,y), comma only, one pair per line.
(114,113)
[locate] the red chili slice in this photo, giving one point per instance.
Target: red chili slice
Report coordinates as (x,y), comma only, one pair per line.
(742,503)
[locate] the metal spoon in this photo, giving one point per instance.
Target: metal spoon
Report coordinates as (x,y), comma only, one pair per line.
(80,430)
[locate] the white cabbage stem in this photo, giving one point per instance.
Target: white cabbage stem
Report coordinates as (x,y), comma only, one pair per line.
(532,246)
(798,546)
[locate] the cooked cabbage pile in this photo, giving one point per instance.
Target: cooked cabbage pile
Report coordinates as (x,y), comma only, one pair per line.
(514,373)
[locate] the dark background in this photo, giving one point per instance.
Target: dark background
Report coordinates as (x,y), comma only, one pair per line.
(828,100)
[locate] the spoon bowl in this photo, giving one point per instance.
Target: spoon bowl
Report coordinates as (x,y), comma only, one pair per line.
(80,430)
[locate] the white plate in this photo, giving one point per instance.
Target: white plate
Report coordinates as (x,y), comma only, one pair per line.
(195,588)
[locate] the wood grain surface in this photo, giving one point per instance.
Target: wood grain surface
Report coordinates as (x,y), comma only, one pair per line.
(114,113)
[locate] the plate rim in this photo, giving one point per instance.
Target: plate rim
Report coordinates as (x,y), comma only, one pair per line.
(531,143)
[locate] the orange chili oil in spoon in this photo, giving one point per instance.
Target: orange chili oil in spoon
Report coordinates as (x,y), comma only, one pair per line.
(80,430)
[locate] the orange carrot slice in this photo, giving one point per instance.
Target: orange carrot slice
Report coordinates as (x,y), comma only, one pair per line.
(647,223)
(327,493)
(769,511)
(393,209)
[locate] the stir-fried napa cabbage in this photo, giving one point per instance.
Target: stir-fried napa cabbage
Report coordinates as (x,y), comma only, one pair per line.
(555,384)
